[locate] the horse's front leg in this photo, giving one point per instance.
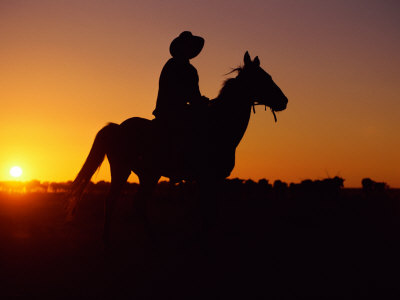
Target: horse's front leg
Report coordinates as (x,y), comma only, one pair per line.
(209,190)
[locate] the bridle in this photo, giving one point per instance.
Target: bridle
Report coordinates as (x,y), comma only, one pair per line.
(273,112)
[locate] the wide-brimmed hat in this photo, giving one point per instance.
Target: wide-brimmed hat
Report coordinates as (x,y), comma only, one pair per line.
(186,45)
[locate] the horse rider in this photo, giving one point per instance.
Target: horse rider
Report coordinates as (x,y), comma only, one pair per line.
(178,112)
(179,93)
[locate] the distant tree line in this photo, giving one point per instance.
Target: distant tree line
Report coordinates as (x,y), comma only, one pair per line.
(325,188)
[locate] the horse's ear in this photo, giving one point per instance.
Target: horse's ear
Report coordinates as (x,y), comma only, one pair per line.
(256,61)
(247,59)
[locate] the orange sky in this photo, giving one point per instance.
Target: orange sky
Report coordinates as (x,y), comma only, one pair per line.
(69,67)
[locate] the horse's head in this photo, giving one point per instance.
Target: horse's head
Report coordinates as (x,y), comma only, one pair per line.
(263,90)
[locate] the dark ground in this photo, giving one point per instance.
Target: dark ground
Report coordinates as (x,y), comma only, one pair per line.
(265,246)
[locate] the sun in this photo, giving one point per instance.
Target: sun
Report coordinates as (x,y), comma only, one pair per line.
(16,171)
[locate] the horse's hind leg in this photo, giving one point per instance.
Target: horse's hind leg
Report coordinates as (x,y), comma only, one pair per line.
(147,185)
(119,176)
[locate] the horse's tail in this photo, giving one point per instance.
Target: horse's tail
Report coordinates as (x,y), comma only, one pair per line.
(94,160)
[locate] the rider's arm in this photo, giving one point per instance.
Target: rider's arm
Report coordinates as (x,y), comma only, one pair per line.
(196,98)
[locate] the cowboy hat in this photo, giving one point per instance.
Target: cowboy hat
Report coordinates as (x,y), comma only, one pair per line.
(186,45)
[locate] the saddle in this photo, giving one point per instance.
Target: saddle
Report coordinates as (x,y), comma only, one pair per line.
(182,146)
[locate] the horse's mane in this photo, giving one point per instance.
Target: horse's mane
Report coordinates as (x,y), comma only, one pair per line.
(227,84)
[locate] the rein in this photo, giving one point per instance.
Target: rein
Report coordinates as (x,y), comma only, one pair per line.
(273,112)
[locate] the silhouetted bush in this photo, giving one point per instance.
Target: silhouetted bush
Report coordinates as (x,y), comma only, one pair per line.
(370,186)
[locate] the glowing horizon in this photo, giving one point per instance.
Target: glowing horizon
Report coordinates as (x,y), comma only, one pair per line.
(68,68)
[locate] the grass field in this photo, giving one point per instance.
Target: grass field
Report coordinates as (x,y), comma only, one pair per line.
(265,246)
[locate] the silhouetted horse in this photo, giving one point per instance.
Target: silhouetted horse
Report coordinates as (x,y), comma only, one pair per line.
(135,145)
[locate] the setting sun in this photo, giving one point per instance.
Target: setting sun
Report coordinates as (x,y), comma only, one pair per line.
(16,171)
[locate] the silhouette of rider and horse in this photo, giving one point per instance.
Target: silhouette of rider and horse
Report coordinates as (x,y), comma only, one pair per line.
(190,138)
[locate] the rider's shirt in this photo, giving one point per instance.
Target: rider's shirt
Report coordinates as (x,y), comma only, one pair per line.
(178,88)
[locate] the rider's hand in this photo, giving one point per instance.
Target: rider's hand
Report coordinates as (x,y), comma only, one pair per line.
(200,101)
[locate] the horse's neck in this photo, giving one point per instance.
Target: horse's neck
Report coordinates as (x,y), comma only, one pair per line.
(235,111)
(240,123)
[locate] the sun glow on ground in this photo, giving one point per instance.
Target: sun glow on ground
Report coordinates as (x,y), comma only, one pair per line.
(16,172)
